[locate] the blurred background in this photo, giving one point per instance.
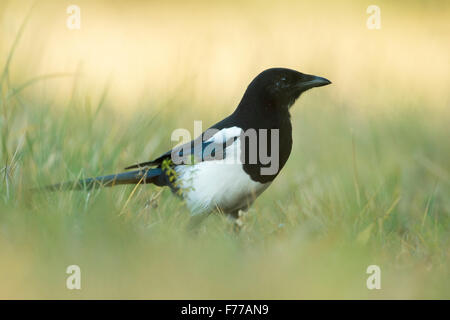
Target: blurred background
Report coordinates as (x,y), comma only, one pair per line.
(211,50)
(368,181)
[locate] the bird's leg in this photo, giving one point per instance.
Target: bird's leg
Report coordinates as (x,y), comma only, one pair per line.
(239,220)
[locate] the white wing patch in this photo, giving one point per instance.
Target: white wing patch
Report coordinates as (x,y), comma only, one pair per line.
(225,134)
(219,184)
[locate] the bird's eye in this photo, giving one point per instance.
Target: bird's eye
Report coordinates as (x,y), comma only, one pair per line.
(280,82)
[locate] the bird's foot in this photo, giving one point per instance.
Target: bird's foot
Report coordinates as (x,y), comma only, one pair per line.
(239,222)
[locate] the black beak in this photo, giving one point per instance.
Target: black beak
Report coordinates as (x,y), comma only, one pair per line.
(311,81)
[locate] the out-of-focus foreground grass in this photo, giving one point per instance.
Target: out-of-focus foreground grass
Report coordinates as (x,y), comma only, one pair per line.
(368,181)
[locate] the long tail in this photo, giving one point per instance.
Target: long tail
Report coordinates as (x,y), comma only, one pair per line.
(132,177)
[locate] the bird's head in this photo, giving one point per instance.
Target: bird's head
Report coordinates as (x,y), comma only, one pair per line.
(280,87)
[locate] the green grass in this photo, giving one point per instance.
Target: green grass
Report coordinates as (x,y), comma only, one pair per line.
(363,186)
(357,190)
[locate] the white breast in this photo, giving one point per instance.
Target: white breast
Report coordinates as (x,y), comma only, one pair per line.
(219,184)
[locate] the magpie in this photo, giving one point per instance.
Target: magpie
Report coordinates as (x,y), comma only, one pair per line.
(228,166)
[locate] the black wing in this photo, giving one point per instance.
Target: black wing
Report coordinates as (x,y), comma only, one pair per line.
(200,149)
